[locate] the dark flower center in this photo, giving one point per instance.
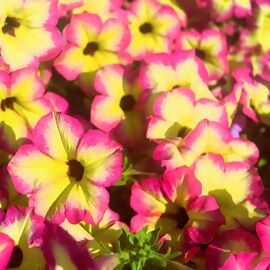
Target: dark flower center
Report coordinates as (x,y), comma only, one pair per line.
(181,217)
(183,132)
(91,48)
(175,86)
(146,28)
(16,258)
(127,103)
(75,169)
(200,53)
(8,103)
(10,25)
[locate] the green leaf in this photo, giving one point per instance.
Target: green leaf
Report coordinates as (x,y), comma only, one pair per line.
(141,249)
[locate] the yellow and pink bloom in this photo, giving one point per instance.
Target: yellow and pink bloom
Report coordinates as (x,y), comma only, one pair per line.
(176,204)
(23,232)
(210,46)
(163,72)
(91,45)
(206,137)
(118,98)
(177,112)
(70,168)
(22,103)
(28,32)
(153,28)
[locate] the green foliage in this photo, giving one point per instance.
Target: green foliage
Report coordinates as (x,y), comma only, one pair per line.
(141,250)
(129,173)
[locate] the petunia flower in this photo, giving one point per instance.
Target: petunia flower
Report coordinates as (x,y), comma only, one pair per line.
(163,72)
(28,33)
(177,112)
(117,98)
(206,137)
(210,46)
(223,181)
(25,229)
(22,103)
(240,244)
(153,27)
(251,94)
(91,45)
(175,203)
(65,170)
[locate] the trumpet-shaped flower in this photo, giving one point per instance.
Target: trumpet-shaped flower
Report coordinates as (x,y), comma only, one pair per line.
(176,204)
(176,112)
(163,72)
(206,137)
(25,230)
(118,98)
(210,46)
(153,27)
(223,181)
(92,44)
(66,170)
(27,32)
(22,104)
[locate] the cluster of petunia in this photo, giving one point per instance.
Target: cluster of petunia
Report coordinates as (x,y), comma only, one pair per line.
(134,134)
